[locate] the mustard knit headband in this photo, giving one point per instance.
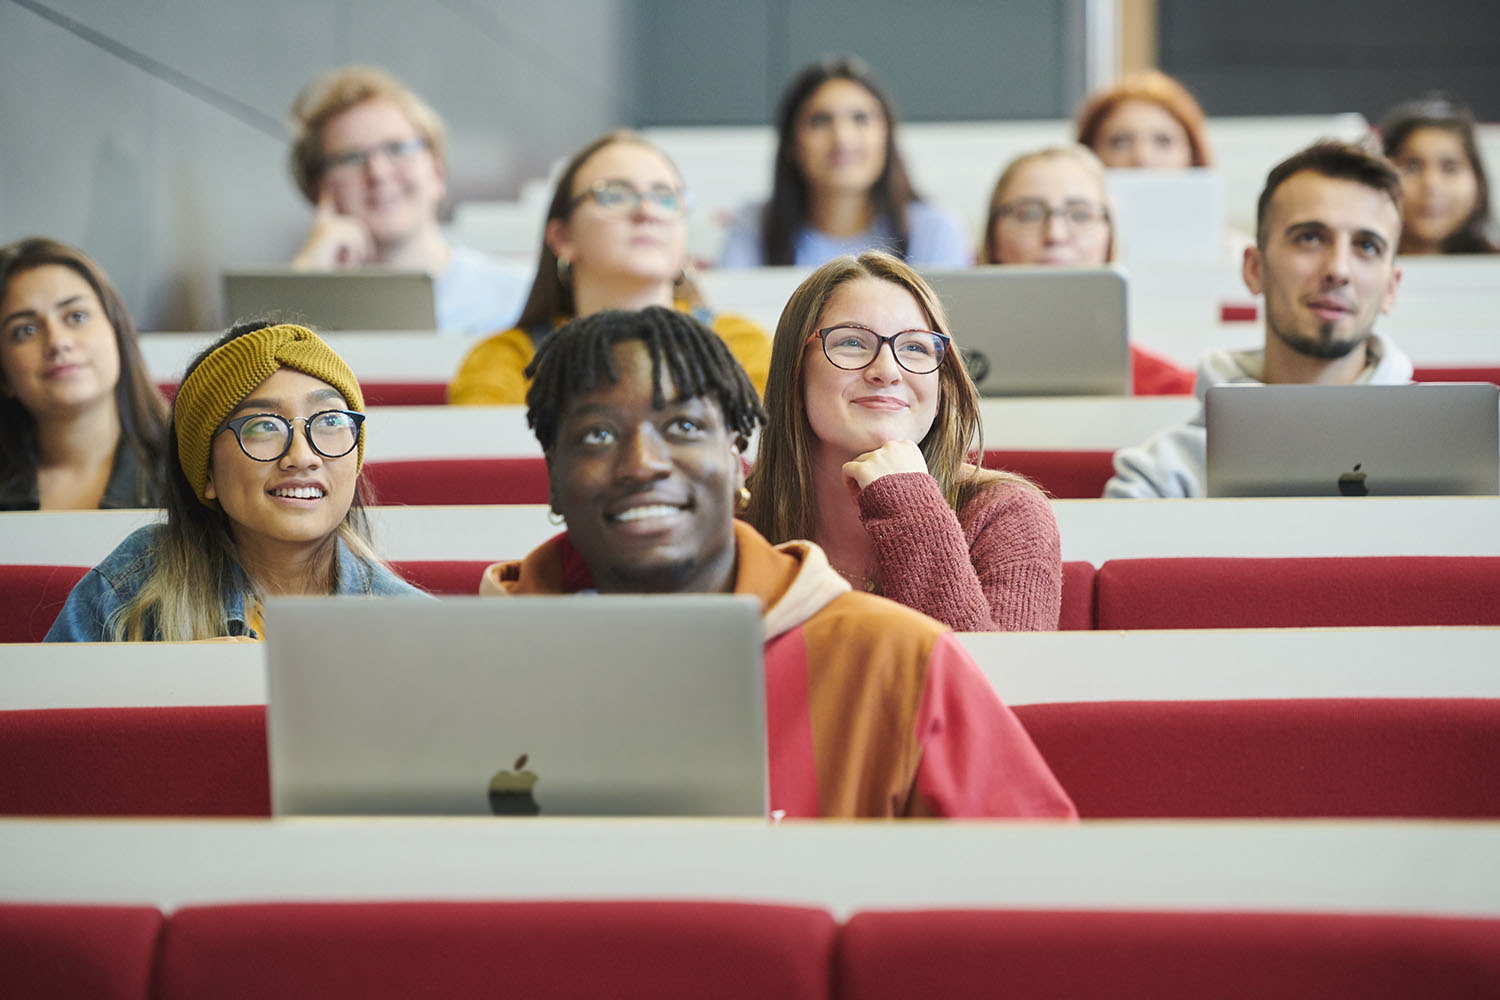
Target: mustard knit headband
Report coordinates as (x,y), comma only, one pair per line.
(210,394)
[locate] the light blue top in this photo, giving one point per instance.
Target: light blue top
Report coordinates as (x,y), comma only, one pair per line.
(106,588)
(476,293)
(935,240)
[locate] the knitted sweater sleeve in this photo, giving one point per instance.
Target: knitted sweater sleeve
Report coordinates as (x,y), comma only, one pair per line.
(996,566)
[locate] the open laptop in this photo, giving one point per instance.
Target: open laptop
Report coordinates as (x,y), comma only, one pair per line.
(1427,439)
(367,299)
(1039,331)
(1167,216)
(584,705)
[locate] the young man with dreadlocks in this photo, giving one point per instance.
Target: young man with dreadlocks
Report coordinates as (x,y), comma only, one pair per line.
(872,709)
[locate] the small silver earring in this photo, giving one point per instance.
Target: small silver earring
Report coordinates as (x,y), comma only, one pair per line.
(564,271)
(554,518)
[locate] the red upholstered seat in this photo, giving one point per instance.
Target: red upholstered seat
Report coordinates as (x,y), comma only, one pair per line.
(1395,757)
(1452,373)
(31,597)
(83,952)
(1298,592)
(556,950)
(1077,596)
(1023,955)
(459,481)
(446,577)
(1068,475)
(163,761)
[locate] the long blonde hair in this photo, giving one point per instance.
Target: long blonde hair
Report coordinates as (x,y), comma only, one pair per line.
(781,481)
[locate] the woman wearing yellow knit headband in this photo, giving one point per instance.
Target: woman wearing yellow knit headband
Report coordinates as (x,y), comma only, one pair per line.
(262,496)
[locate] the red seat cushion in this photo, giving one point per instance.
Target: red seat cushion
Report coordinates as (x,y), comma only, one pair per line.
(1067,475)
(1395,757)
(556,950)
(162,761)
(31,597)
(448,577)
(1023,955)
(1298,592)
(1077,596)
(513,480)
(83,952)
(1457,373)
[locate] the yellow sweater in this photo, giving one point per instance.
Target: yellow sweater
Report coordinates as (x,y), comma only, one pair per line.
(493,372)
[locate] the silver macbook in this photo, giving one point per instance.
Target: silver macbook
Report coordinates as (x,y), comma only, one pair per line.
(1167,216)
(1427,439)
(366,299)
(581,705)
(1036,331)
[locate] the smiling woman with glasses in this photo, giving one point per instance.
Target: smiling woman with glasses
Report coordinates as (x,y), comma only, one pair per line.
(873,422)
(263,498)
(616,238)
(370,156)
(1050,208)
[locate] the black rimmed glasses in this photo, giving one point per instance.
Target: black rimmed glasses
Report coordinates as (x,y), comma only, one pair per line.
(1076,212)
(397,151)
(854,347)
(622,197)
(266,437)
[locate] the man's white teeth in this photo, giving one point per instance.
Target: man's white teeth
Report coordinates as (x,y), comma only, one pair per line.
(641,513)
(299,492)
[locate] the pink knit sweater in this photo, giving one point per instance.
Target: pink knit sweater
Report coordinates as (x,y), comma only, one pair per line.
(995,566)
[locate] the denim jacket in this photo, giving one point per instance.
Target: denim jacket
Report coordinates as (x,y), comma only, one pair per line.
(110,585)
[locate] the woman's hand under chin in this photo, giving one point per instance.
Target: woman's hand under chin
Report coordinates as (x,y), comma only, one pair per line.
(887,460)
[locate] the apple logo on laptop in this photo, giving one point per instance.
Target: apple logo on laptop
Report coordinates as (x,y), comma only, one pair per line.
(511,791)
(1352,483)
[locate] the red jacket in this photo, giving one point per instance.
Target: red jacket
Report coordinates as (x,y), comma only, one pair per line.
(872,709)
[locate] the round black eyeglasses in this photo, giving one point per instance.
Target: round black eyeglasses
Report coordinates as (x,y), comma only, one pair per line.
(266,437)
(854,347)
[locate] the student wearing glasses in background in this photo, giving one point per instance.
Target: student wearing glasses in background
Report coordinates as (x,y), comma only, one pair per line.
(1051,208)
(872,422)
(616,238)
(369,156)
(262,499)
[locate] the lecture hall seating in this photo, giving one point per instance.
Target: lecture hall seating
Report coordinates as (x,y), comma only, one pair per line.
(78,952)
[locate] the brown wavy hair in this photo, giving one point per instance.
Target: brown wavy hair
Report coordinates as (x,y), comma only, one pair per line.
(781,479)
(1154,87)
(142,410)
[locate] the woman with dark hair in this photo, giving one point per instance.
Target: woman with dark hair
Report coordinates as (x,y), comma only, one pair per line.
(839,185)
(872,423)
(1145,119)
(616,238)
(81,425)
(262,495)
(1446,194)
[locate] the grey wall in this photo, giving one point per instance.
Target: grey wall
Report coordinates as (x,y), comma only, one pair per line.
(150,132)
(725,62)
(1294,56)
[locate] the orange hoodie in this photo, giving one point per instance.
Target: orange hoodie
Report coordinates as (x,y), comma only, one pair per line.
(872,709)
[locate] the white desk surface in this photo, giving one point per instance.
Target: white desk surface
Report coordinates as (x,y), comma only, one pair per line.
(1025,668)
(1364,866)
(1092,530)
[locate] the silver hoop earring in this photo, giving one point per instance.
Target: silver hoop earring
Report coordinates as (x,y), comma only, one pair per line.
(564,271)
(554,518)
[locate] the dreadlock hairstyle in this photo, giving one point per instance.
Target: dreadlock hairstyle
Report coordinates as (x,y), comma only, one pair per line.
(194,557)
(578,356)
(781,503)
(142,410)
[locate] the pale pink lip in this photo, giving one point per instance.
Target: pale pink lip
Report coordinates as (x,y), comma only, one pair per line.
(1329,308)
(880,403)
(63,371)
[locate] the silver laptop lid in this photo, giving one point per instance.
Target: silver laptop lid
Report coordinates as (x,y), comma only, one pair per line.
(582,705)
(1037,331)
(366,299)
(1427,439)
